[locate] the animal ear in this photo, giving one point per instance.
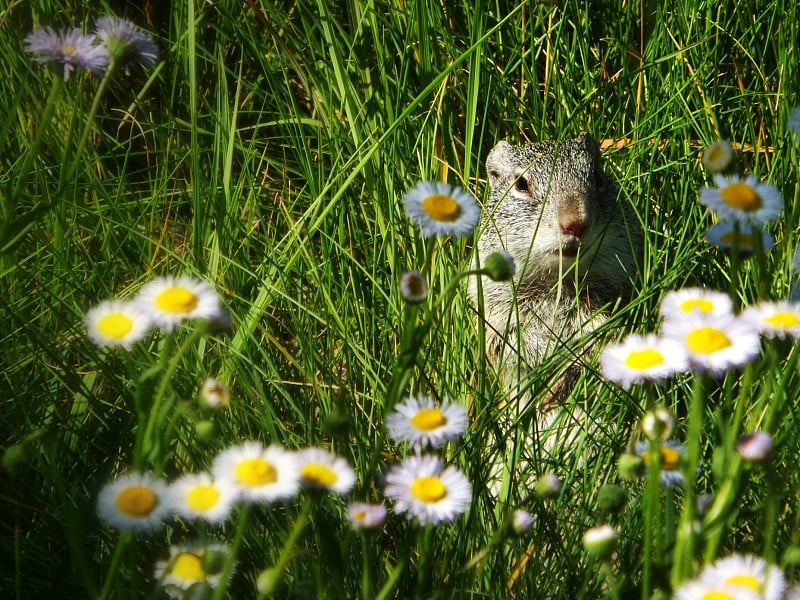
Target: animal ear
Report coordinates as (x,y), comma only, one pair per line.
(497,163)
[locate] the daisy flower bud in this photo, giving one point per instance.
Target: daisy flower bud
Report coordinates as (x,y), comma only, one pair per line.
(600,541)
(499,266)
(754,446)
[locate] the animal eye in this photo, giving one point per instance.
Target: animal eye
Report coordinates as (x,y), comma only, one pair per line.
(521,185)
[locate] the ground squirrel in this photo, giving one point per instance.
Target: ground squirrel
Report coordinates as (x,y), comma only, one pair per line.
(575,247)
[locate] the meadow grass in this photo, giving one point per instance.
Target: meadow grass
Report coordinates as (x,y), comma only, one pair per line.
(267,153)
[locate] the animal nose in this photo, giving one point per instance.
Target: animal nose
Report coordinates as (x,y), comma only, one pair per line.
(573,226)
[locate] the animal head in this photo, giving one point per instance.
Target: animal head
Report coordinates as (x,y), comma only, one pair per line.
(549,203)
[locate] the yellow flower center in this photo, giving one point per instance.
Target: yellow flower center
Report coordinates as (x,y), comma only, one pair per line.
(177,300)
(670,458)
(318,474)
(744,240)
(783,320)
(716,595)
(136,501)
(115,326)
(428,419)
(745,580)
(642,360)
(441,207)
(203,497)
(188,567)
(699,304)
(68,50)
(416,286)
(707,340)
(742,197)
(256,472)
(428,489)
(359,515)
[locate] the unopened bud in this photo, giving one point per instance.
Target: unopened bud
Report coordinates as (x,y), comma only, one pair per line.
(522,521)
(630,466)
(755,446)
(718,156)
(611,498)
(548,486)
(499,266)
(214,394)
(206,430)
(600,541)
(267,581)
(658,423)
(15,458)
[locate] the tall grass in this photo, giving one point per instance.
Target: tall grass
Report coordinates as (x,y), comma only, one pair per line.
(267,153)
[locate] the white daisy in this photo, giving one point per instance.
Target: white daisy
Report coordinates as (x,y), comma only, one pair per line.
(642,358)
(747,572)
(190,567)
(703,590)
(66,50)
(323,470)
(743,200)
(134,502)
(677,304)
(423,488)
(413,287)
(420,422)
(672,453)
(117,323)
(260,474)
(729,235)
(125,42)
(715,343)
(441,209)
(717,156)
(774,319)
(170,301)
(199,496)
(363,515)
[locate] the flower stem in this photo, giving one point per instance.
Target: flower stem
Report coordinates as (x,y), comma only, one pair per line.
(148,449)
(89,120)
(651,514)
(286,551)
(116,559)
(241,527)
(425,561)
(685,539)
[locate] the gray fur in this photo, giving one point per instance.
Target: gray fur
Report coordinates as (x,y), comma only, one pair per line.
(575,245)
